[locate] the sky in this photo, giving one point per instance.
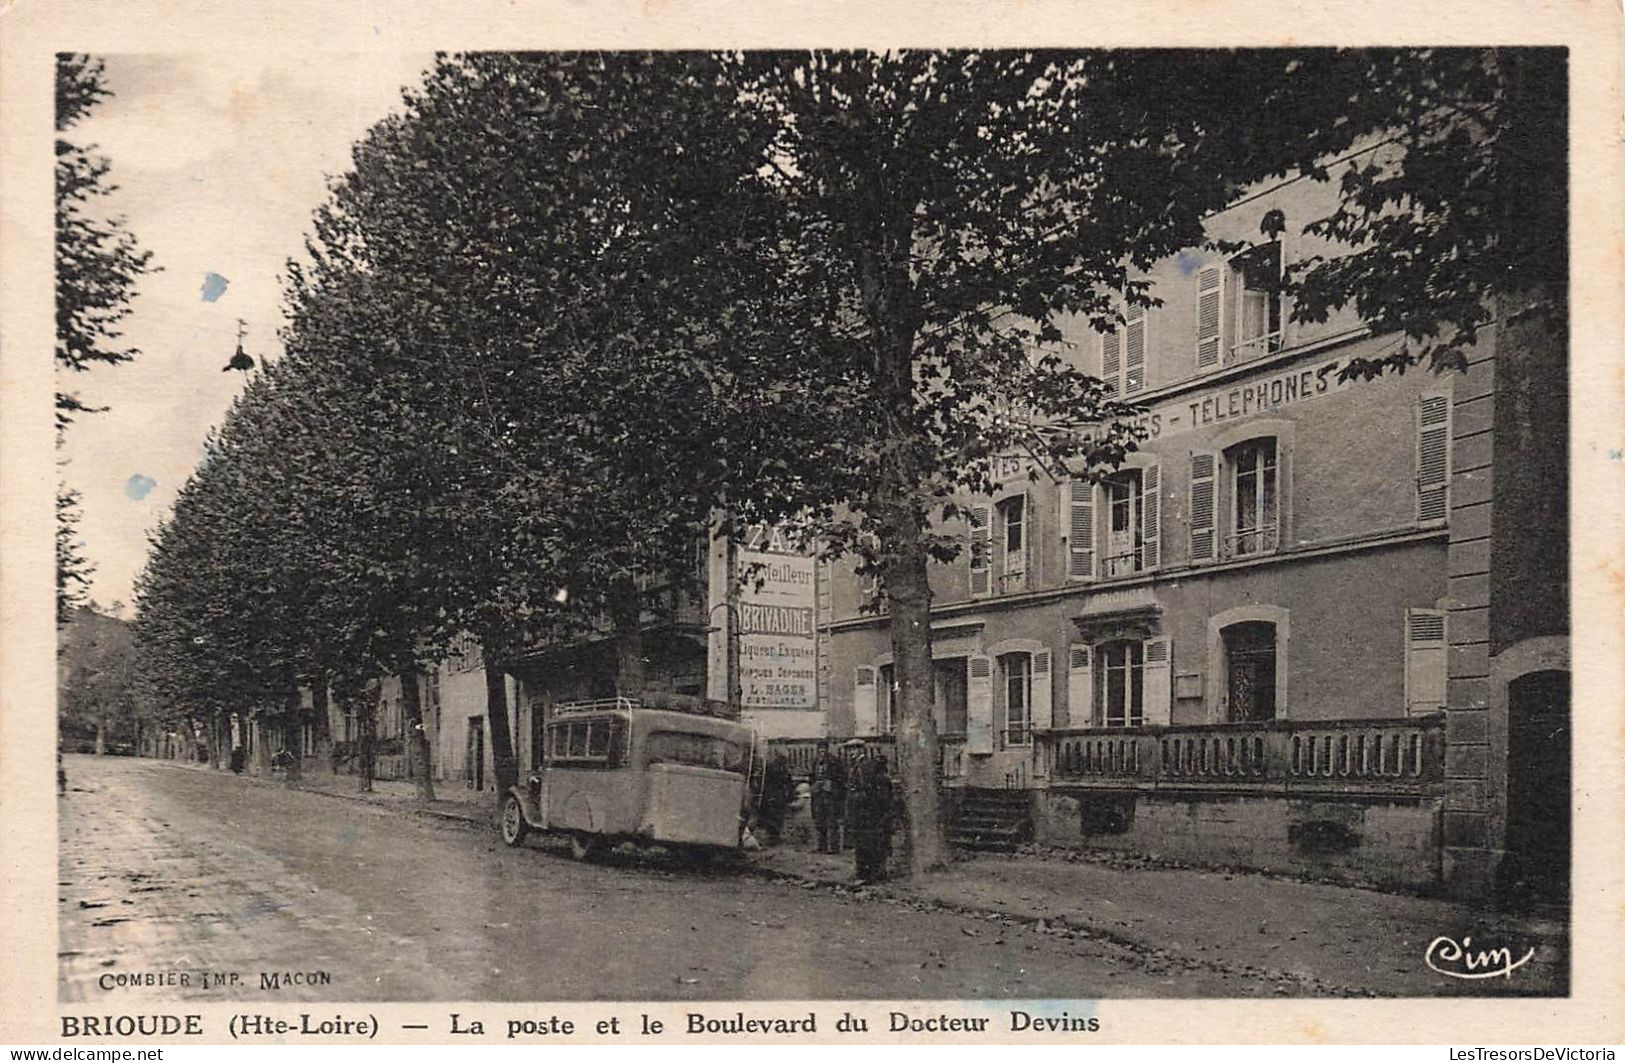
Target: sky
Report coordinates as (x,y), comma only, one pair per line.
(220,162)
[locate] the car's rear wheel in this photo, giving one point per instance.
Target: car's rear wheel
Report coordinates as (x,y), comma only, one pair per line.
(513,821)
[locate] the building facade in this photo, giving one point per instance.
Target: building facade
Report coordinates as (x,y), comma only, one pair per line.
(1243,647)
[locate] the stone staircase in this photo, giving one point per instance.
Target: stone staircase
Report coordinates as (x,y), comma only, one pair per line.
(992,821)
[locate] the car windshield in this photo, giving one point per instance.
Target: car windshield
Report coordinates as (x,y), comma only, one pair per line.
(699,751)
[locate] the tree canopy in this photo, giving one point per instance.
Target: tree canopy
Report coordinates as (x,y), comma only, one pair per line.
(569,310)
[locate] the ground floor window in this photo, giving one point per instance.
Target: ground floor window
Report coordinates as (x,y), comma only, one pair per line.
(1015,683)
(1120,667)
(1249,650)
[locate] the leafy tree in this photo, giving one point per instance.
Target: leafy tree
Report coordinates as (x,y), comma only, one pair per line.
(943,211)
(98,263)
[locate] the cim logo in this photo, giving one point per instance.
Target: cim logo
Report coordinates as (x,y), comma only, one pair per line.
(1461,960)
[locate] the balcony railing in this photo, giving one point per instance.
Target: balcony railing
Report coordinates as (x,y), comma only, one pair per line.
(1255,348)
(1252,542)
(1119,565)
(1404,755)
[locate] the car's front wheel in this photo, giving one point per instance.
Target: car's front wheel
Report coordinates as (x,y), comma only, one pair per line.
(513,821)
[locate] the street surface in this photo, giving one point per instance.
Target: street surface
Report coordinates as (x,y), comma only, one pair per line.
(168,871)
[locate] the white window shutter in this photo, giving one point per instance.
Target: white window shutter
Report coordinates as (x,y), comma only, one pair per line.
(1080,686)
(1209,319)
(865,706)
(1433,458)
(1043,692)
(1204,506)
(1111,361)
(1159,689)
(1151,516)
(981,550)
(1080,564)
(1426,660)
(1134,351)
(979,705)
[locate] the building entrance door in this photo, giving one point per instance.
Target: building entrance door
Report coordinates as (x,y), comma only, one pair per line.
(474,752)
(1535,869)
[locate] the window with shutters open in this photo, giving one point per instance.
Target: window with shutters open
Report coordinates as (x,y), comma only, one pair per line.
(1015,690)
(1426,661)
(1255,276)
(1433,458)
(1255,507)
(1132,523)
(1014,530)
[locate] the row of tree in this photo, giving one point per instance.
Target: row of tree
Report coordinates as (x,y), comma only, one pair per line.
(570,313)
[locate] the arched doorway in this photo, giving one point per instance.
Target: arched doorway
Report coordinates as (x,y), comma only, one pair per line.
(1535,869)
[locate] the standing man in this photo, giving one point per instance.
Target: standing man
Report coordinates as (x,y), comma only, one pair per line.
(777,789)
(828,799)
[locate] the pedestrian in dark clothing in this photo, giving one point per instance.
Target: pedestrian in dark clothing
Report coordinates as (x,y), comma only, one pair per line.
(856,765)
(778,789)
(828,800)
(873,829)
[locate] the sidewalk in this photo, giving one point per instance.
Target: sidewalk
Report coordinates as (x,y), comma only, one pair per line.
(1307,937)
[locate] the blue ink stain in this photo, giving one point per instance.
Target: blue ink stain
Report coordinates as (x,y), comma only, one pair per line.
(214,286)
(1188,262)
(137,486)
(1615,455)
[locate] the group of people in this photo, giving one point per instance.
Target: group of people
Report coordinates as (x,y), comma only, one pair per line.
(852,804)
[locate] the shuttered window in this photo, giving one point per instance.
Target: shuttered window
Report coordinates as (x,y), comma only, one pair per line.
(1111,361)
(1134,351)
(1151,516)
(1080,689)
(1080,564)
(979,707)
(1158,682)
(1425,661)
(864,703)
(1433,458)
(1122,355)
(1043,693)
(1204,508)
(981,550)
(1209,318)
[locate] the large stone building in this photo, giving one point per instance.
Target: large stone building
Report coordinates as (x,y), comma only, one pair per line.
(1310,624)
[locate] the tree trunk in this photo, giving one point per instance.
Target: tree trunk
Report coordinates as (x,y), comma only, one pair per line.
(417,739)
(908,599)
(496,715)
(216,724)
(293,735)
(101,737)
(626,613)
(262,744)
(323,726)
(364,750)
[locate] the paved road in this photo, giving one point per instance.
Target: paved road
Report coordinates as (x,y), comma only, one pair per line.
(172,869)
